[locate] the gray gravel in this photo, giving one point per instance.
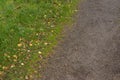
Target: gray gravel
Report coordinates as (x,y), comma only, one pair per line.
(91,50)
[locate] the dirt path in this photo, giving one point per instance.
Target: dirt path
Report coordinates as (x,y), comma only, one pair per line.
(91,51)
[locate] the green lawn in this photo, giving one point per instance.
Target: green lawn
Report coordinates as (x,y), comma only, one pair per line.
(28,31)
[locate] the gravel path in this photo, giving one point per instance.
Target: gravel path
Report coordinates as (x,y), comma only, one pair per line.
(91,50)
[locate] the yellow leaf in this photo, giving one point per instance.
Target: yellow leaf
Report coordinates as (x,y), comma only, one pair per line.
(19,45)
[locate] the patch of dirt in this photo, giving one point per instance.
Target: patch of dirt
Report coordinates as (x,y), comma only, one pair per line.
(91,50)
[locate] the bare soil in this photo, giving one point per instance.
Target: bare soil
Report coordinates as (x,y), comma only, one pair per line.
(91,49)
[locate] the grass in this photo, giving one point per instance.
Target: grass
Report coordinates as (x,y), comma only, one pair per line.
(28,31)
